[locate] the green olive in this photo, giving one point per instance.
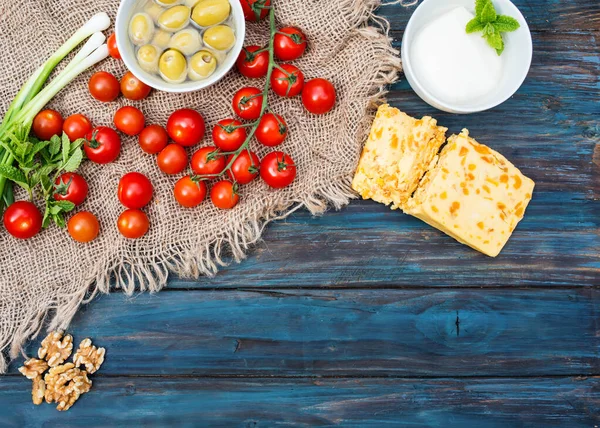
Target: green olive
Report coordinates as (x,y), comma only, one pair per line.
(141,29)
(186,41)
(211,12)
(147,57)
(202,65)
(161,39)
(172,66)
(220,37)
(174,19)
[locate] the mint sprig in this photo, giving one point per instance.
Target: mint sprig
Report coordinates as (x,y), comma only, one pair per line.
(491,24)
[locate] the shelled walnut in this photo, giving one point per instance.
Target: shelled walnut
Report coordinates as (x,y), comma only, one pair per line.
(32,368)
(65,384)
(56,349)
(89,356)
(38,390)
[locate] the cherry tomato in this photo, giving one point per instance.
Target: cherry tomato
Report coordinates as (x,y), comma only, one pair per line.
(245,168)
(77,126)
(153,139)
(70,187)
(83,227)
(201,165)
(102,145)
(135,190)
(113,50)
(23,220)
(104,86)
(224,195)
(287,85)
(133,88)
(251,64)
(318,96)
(278,170)
(227,136)
(189,193)
(133,224)
(289,44)
(271,130)
(129,120)
(247,103)
(173,159)
(47,124)
(186,127)
(254,9)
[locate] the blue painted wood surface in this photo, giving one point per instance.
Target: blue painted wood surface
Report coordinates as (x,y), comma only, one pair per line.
(366,317)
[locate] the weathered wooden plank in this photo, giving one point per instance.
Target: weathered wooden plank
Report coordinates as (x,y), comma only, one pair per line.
(377,332)
(541,15)
(314,402)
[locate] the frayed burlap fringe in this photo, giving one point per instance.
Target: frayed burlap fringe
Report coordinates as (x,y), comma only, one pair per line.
(351,47)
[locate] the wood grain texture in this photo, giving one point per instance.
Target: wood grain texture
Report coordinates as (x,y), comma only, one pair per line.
(265,402)
(339,333)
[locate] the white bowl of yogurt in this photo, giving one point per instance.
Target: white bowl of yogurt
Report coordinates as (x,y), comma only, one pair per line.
(458,72)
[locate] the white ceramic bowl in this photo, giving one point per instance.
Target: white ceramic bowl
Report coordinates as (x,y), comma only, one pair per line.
(127,50)
(517,54)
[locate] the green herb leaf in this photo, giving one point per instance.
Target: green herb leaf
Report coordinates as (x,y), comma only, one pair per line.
(506,24)
(74,161)
(488,14)
(66,148)
(13,174)
(474,26)
(495,41)
(479,5)
(55,145)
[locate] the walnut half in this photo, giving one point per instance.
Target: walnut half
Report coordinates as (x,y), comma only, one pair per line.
(32,368)
(65,384)
(89,356)
(38,390)
(56,349)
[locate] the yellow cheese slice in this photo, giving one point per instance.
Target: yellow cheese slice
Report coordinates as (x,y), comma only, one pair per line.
(396,155)
(473,194)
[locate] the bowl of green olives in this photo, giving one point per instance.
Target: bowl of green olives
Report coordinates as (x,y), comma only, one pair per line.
(180,45)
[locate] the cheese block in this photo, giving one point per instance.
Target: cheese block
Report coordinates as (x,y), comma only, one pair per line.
(472,194)
(396,155)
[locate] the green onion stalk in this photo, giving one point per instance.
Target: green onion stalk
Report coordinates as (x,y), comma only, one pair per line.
(33,96)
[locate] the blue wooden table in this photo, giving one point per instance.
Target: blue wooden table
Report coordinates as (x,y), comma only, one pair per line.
(369,317)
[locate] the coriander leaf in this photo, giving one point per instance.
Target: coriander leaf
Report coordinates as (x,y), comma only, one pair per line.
(506,24)
(474,25)
(74,161)
(488,14)
(66,148)
(15,175)
(479,5)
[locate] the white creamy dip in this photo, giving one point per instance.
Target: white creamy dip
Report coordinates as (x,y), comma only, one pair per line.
(454,66)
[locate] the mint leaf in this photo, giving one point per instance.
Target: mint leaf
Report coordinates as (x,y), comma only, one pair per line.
(74,161)
(506,24)
(66,147)
(474,25)
(488,14)
(479,5)
(55,145)
(15,175)
(495,41)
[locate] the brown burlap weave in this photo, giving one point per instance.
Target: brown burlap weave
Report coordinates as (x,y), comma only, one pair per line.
(48,277)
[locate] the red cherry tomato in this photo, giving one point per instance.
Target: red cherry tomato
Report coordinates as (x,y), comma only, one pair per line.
(245,168)
(287,84)
(133,224)
(47,124)
(318,96)
(251,64)
(113,50)
(83,227)
(278,170)
(173,159)
(102,145)
(247,103)
(289,44)
(202,165)
(104,86)
(189,193)
(254,10)
(186,127)
(224,195)
(227,136)
(271,130)
(135,190)
(70,187)
(23,220)
(153,139)
(129,120)
(133,88)
(77,126)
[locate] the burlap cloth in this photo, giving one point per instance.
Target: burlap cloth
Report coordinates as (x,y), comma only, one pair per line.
(44,280)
